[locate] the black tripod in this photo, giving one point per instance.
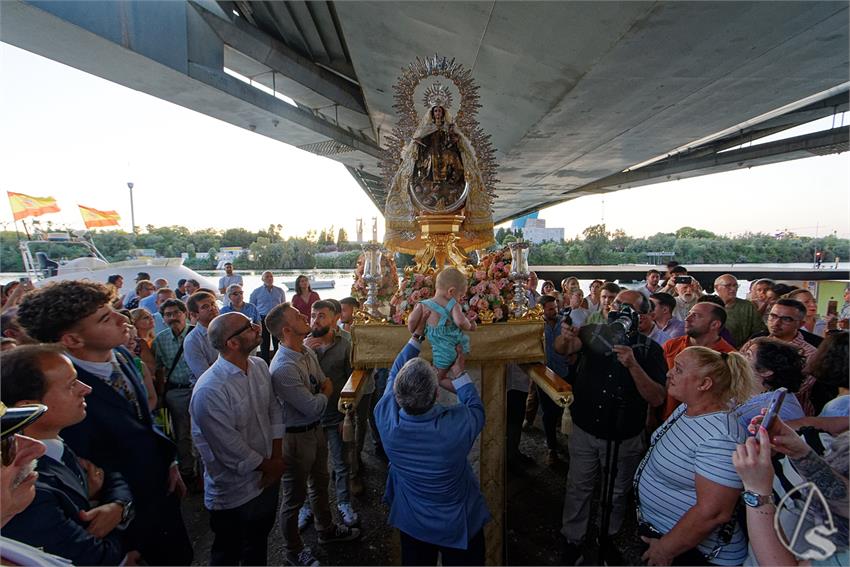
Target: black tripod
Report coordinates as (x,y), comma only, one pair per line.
(609,478)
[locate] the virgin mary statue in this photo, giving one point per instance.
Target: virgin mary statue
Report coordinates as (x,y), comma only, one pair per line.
(439,175)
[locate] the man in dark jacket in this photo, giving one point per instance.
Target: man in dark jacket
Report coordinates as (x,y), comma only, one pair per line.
(118,432)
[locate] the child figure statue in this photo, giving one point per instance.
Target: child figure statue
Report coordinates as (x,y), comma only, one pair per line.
(443,319)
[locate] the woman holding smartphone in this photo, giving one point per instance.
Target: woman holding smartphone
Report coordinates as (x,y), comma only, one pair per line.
(686,487)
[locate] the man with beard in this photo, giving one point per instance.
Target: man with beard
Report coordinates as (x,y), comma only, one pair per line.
(333,349)
(687,295)
(237,427)
(175,377)
(80,511)
(785,322)
(118,432)
(303,389)
(702,328)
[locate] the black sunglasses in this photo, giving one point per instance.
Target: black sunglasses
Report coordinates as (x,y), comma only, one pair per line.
(250,325)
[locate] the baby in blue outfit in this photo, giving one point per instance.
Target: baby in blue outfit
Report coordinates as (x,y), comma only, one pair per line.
(443,319)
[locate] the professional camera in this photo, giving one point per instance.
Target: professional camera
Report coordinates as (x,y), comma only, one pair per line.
(623,326)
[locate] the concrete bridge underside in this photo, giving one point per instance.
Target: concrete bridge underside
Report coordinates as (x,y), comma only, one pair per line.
(579,97)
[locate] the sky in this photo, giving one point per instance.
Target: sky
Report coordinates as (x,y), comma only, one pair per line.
(80,139)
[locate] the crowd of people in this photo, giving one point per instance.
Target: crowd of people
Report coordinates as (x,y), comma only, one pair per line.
(668,415)
(123,404)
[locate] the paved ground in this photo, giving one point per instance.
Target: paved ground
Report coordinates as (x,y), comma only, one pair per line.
(535,496)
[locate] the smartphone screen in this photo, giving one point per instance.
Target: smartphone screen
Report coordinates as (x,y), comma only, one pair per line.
(774,407)
(832,307)
(682,280)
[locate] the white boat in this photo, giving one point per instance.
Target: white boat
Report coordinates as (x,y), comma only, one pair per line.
(91,264)
(314,284)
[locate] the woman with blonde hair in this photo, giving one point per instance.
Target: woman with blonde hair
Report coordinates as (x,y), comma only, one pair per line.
(686,487)
(144,323)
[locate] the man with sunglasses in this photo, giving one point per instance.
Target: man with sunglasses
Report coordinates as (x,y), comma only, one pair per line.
(743,319)
(118,432)
(237,427)
(80,511)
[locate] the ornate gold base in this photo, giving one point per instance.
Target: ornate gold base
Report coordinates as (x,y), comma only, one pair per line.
(439,236)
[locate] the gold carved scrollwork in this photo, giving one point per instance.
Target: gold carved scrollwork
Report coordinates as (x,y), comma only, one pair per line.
(442,249)
(363,318)
(486,317)
(531,314)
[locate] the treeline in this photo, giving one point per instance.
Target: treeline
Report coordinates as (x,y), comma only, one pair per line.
(329,248)
(689,246)
(268,249)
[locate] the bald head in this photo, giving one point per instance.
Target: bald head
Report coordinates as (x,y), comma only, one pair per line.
(224,327)
(633,298)
(726,287)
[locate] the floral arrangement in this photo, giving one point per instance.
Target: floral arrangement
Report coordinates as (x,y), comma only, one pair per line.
(488,296)
(387,287)
(414,287)
(490,290)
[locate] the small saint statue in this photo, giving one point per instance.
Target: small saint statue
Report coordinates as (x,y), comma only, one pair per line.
(438,176)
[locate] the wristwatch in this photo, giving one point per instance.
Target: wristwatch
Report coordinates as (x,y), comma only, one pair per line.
(754,500)
(127,511)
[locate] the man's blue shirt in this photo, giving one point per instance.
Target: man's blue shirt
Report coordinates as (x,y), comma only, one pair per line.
(557,362)
(432,492)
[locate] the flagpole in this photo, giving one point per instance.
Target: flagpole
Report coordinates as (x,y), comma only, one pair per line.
(132,212)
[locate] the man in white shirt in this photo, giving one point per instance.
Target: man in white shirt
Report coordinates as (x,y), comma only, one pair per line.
(227,280)
(237,427)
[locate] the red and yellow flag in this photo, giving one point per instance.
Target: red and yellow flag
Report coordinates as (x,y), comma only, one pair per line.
(24,206)
(94,217)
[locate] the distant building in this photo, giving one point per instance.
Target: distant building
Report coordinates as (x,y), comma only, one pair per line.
(535,231)
(520,222)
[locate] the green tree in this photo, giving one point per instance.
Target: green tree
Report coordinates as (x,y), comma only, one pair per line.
(342,237)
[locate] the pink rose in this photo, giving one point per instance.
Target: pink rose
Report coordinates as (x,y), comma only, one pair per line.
(424,293)
(480,275)
(482,304)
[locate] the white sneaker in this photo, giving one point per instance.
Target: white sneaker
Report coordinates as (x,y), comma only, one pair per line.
(349,516)
(305,516)
(304,558)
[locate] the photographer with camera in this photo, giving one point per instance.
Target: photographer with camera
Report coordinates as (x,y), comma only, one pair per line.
(619,372)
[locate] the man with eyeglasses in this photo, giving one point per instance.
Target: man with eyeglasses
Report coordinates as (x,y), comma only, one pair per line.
(199,352)
(743,319)
(784,322)
(237,426)
(237,304)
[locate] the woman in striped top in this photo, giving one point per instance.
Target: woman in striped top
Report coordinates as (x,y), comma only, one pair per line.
(686,487)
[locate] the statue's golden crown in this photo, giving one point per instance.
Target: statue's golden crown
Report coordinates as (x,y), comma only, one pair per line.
(437,95)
